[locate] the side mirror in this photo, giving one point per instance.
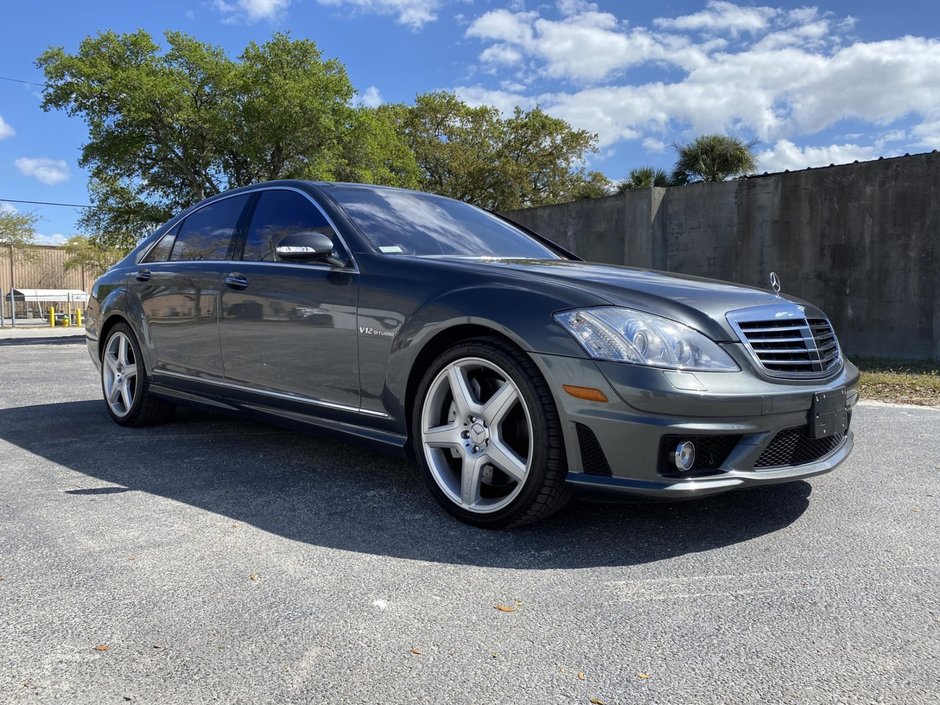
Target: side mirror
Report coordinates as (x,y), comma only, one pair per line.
(305,246)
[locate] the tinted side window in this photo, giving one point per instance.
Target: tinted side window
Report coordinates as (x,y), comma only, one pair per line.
(161,251)
(206,234)
(277,215)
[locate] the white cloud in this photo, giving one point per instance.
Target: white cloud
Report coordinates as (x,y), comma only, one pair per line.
(586,46)
(790,73)
(501,54)
(512,86)
(7,207)
(252,10)
(928,134)
(651,144)
(370,98)
(412,13)
(574,7)
(721,16)
(503,25)
(48,171)
(51,239)
(6,130)
(786,155)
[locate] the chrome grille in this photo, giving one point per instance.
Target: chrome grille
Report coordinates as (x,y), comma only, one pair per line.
(787,343)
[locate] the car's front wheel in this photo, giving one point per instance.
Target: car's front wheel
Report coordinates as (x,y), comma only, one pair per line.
(487,436)
(125,384)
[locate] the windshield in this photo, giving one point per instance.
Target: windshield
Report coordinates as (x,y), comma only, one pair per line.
(410,223)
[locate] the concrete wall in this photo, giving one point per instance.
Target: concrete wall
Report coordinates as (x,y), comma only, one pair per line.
(860,240)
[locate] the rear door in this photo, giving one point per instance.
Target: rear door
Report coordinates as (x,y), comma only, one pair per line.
(288,329)
(177,285)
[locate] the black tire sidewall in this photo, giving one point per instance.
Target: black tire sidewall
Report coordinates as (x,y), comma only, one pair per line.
(541,457)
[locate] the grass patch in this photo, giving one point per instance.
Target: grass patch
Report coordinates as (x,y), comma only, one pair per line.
(900,381)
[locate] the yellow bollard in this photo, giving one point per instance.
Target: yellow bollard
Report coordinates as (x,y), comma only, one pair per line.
(52,316)
(78,317)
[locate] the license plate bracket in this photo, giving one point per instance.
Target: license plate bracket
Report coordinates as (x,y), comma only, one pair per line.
(828,415)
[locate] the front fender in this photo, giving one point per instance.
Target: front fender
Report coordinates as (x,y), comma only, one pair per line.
(526,321)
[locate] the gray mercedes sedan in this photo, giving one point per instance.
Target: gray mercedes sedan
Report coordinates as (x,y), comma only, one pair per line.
(513,372)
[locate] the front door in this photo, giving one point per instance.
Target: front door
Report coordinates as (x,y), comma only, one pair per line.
(288,329)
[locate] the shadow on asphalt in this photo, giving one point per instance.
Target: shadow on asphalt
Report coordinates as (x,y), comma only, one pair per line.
(327,493)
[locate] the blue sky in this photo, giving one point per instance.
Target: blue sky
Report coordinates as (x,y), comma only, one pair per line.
(813,84)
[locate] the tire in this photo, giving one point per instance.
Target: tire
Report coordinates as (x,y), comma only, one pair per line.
(125,384)
(491,452)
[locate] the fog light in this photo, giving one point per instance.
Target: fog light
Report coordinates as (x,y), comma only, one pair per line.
(684,456)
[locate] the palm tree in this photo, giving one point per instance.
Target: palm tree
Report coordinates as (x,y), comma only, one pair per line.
(713,158)
(644,177)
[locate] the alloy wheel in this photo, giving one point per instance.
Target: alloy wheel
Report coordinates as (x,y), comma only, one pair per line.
(476,434)
(119,374)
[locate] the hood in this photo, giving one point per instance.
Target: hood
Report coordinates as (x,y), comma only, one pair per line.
(695,301)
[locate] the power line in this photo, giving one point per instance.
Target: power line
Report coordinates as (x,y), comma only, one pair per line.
(20,80)
(46,203)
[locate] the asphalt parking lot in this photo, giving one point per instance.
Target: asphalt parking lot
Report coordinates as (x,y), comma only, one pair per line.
(214,560)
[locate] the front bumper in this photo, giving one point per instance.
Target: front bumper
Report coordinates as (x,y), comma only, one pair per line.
(622,451)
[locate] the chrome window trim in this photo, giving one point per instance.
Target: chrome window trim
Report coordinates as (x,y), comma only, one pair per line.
(277,395)
(790,312)
(354,265)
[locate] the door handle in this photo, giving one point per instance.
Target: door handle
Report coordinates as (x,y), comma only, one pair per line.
(143,275)
(236,281)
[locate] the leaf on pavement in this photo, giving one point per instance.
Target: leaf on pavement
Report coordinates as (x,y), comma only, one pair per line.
(581,675)
(644,676)
(506,608)
(414,651)
(102,647)
(597,701)
(253,576)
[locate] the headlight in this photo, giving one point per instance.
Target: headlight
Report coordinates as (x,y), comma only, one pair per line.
(624,335)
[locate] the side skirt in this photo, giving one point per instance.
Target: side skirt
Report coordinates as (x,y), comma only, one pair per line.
(341,428)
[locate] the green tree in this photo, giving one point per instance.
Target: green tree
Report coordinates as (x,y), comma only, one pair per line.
(375,152)
(474,154)
(167,128)
(84,253)
(541,158)
(644,177)
(594,185)
(17,229)
(713,158)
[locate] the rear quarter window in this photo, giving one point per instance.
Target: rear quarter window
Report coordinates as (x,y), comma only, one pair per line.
(207,233)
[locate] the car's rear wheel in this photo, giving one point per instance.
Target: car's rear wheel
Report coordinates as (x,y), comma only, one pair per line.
(487,436)
(125,384)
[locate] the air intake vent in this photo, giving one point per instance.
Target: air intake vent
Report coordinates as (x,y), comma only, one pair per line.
(794,447)
(593,460)
(786,343)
